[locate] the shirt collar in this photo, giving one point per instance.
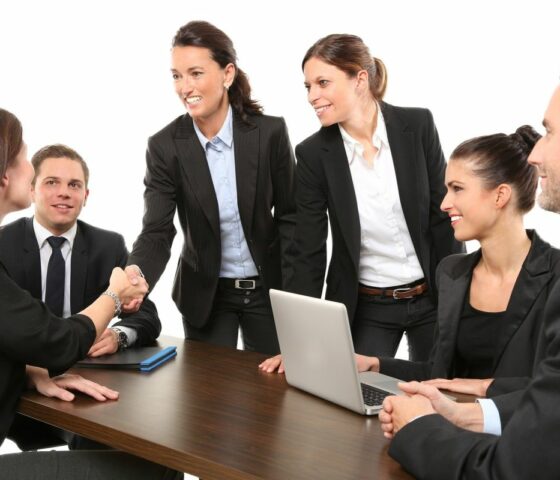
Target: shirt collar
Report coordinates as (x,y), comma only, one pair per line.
(225,135)
(379,139)
(41,233)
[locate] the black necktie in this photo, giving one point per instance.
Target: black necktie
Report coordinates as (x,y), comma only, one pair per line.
(54,297)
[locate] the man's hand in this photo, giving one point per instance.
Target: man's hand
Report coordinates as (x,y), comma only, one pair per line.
(400,410)
(471,386)
(59,387)
(106,344)
(425,399)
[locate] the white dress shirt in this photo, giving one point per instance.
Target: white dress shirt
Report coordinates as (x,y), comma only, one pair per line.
(387,255)
(45,250)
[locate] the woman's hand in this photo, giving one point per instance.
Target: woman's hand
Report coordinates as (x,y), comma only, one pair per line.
(59,387)
(471,386)
(272,364)
(127,290)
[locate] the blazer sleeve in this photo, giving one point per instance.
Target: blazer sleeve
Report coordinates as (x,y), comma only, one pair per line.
(283,182)
(432,448)
(440,227)
(152,248)
(32,335)
(404,369)
(145,321)
(310,236)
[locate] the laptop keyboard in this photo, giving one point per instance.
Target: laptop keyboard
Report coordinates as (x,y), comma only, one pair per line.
(373,396)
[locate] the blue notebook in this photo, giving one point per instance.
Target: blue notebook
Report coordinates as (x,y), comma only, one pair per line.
(144,359)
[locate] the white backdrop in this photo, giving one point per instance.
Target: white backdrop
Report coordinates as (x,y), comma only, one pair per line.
(95,75)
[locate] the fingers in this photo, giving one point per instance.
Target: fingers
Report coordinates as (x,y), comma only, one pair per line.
(133,272)
(410,388)
(78,383)
(132,306)
(386,422)
(105,345)
(272,364)
(52,390)
(438,382)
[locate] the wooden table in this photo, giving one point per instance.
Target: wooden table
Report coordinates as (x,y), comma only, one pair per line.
(212,413)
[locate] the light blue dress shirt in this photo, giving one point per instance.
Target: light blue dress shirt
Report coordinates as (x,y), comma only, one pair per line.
(236,257)
(492,421)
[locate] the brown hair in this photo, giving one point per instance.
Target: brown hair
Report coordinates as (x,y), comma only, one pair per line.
(11,140)
(350,54)
(205,35)
(58,151)
(502,158)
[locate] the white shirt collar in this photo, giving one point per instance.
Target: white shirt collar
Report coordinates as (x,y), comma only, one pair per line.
(379,139)
(42,233)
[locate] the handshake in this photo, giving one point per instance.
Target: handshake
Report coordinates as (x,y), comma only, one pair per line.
(130,286)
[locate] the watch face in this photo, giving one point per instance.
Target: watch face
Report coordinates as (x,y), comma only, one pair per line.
(122,339)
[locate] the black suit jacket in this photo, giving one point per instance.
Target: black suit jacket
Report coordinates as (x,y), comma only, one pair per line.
(324,184)
(31,334)
(178,178)
(518,346)
(432,448)
(94,255)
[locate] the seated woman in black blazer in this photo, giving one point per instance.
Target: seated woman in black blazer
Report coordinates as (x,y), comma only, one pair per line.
(31,335)
(375,171)
(491,302)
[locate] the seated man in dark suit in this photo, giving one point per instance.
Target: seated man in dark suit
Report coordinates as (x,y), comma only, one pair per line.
(66,262)
(430,446)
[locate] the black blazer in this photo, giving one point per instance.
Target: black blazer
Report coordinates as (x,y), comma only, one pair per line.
(178,178)
(31,334)
(432,448)
(517,348)
(324,184)
(94,255)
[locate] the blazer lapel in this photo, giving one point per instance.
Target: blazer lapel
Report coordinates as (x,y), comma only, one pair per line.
(246,148)
(401,141)
(32,261)
(194,167)
(533,277)
(452,289)
(341,188)
(78,272)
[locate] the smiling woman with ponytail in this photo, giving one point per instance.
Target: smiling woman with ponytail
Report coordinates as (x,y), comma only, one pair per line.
(228,171)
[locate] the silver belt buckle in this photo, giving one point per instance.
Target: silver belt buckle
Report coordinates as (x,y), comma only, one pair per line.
(243,284)
(396,291)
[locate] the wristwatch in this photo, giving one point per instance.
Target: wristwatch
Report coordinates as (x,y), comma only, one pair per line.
(122,338)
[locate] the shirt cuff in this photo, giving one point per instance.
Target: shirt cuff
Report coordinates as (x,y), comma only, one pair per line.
(491,417)
(131,334)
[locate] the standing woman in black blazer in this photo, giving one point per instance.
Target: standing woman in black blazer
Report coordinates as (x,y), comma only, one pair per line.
(228,170)
(377,171)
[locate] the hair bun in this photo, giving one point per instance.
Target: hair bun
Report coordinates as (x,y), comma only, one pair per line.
(526,136)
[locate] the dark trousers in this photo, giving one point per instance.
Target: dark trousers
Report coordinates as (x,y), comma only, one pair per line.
(380,323)
(233,309)
(81,466)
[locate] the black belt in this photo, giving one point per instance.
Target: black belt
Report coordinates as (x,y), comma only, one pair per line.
(240,283)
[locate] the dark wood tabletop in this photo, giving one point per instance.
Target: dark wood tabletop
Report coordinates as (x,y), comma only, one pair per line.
(212,413)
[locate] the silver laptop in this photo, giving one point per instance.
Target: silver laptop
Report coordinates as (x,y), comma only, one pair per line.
(318,353)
